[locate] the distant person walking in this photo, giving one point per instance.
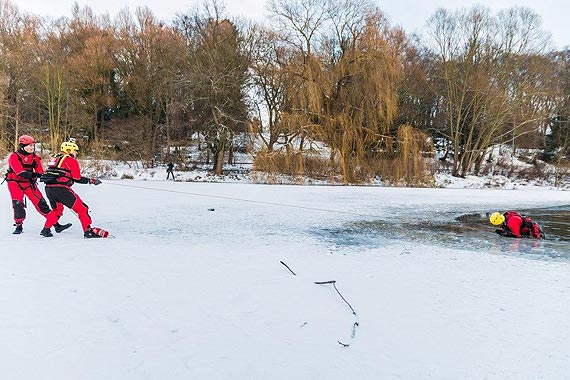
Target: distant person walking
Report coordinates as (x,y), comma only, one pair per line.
(170,170)
(24,168)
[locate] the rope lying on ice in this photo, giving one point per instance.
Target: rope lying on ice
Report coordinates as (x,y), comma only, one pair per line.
(356,323)
(333,282)
(246,200)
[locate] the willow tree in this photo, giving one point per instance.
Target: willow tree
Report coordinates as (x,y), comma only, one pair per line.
(342,86)
(300,25)
(360,96)
(407,164)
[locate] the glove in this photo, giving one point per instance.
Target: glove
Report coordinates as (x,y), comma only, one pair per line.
(36,175)
(95,181)
(27,175)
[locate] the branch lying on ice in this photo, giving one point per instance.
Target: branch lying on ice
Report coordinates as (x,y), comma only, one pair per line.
(286,266)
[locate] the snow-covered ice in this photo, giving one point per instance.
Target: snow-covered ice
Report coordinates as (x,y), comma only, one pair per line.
(188,293)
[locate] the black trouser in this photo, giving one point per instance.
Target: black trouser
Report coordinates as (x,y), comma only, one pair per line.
(60,196)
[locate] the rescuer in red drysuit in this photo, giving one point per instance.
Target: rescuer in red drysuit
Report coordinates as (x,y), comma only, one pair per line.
(516,225)
(24,168)
(62,172)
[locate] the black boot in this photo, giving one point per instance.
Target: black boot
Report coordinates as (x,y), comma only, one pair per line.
(89,234)
(60,227)
(19,229)
(46,232)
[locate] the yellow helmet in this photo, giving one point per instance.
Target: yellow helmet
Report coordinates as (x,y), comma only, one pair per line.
(497,218)
(69,147)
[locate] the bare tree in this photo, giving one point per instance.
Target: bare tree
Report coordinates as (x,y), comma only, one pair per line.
(216,77)
(149,60)
(300,21)
(269,78)
(91,43)
(51,82)
(487,82)
(557,137)
(18,47)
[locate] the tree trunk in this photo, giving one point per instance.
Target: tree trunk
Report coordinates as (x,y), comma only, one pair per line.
(17,121)
(219,156)
(231,149)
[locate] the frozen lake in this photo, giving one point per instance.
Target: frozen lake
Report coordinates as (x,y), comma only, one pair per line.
(193,286)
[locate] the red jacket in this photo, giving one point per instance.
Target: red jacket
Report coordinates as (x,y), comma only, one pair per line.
(19,163)
(68,169)
(517,225)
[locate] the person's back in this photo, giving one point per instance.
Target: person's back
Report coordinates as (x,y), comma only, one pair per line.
(65,170)
(513,224)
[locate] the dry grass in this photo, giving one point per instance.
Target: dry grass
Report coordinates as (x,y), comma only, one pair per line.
(292,163)
(404,166)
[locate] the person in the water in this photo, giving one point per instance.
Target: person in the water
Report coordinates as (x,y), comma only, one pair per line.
(513,224)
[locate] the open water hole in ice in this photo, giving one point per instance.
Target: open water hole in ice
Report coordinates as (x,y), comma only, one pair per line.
(463,231)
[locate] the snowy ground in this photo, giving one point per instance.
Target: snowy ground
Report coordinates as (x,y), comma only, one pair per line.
(185,292)
(242,173)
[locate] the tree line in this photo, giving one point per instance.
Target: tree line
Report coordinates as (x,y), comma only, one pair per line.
(321,76)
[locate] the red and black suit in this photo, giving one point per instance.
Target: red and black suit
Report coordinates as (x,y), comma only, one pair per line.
(517,225)
(23,170)
(62,172)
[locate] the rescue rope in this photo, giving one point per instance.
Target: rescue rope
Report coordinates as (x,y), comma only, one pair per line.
(247,200)
(269,203)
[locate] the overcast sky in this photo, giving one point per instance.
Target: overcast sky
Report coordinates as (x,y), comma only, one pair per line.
(410,14)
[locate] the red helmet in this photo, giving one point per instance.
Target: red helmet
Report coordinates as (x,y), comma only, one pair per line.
(26,140)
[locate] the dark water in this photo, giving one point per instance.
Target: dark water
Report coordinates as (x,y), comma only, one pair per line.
(470,231)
